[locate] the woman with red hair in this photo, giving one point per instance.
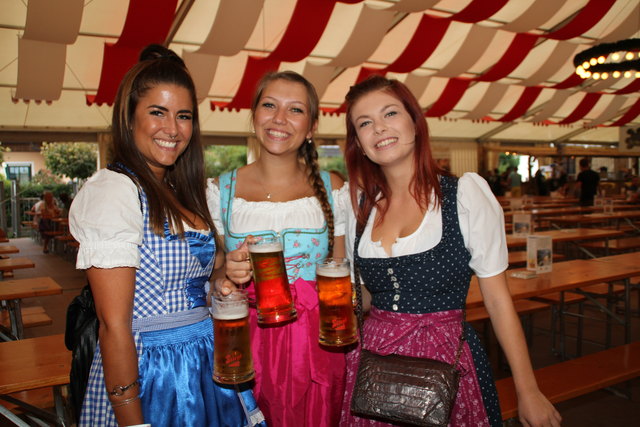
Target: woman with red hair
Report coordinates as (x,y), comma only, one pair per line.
(417,234)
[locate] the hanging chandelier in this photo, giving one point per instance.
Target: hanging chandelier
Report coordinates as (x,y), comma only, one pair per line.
(620,59)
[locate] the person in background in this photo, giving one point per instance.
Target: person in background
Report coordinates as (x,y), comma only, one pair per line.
(45,212)
(633,192)
(541,183)
(298,382)
(417,234)
(515,182)
(587,183)
(66,201)
(147,242)
(604,172)
(558,181)
(497,183)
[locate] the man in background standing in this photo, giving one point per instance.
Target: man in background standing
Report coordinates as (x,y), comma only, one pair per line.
(587,182)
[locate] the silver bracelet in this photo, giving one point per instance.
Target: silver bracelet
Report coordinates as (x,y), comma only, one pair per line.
(125,402)
(120,389)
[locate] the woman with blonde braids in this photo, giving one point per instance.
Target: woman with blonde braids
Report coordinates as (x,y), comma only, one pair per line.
(284,193)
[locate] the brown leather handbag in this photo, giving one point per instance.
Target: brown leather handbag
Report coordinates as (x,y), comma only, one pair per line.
(404,389)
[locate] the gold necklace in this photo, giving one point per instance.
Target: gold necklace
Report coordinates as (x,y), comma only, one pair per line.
(265,190)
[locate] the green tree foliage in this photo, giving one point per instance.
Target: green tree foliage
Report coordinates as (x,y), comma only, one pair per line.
(219,159)
(74,160)
(46,178)
(2,151)
(505,161)
(224,158)
(333,164)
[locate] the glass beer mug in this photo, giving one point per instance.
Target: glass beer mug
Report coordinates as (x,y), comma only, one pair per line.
(273,295)
(232,361)
(337,319)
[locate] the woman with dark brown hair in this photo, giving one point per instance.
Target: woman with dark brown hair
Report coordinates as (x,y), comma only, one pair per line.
(147,242)
(283,193)
(417,234)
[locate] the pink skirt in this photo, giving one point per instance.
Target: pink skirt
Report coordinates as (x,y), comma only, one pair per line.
(432,335)
(298,382)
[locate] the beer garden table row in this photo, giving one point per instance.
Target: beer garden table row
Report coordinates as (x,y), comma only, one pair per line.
(548,212)
(612,218)
(12,292)
(569,235)
(571,276)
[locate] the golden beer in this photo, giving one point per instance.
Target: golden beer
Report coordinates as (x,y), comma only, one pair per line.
(337,319)
(273,295)
(232,361)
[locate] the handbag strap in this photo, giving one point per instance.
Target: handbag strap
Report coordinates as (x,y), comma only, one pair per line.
(358,291)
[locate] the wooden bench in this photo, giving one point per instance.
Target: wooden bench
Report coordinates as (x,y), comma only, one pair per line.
(623,244)
(12,292)
(34,363)
(31,316)
(39,397)
(522,306)
(558,316)
(576,377)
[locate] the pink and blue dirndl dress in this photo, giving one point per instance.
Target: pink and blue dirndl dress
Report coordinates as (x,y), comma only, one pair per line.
(417,303)
(298,382)
(173,332)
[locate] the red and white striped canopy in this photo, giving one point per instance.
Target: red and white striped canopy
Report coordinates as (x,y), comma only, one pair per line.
(478,64)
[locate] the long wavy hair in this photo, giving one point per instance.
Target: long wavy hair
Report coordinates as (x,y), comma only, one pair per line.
(367,176)
(307,151)
(159,65)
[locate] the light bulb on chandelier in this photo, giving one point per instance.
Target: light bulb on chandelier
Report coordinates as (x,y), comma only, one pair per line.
(616,60)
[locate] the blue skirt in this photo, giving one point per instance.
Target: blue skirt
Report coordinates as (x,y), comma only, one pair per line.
(176,385)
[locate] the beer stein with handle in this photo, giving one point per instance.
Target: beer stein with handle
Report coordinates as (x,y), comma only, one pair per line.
(338,324)
(273,295)
(232,361)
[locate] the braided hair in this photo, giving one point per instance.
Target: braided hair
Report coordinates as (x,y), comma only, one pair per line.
(309,154)
(307,151)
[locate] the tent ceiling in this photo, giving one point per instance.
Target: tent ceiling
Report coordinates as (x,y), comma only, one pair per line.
(484,70)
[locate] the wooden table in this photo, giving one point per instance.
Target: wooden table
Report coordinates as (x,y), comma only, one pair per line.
(538,213)
(597,218)
(8,249)
(571,276)
(11,264)
(34,363)
(571,235)
(504,200)
(14,291)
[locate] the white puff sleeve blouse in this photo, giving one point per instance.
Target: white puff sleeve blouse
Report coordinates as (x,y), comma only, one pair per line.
(106,219)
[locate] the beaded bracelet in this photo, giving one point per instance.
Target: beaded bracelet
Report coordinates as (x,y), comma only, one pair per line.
(125,402)
(120,389)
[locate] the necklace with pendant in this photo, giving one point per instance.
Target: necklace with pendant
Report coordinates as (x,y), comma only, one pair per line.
(268,193)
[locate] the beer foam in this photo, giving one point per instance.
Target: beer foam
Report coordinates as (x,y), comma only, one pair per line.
(333,270)
(265,247)
(237,311)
